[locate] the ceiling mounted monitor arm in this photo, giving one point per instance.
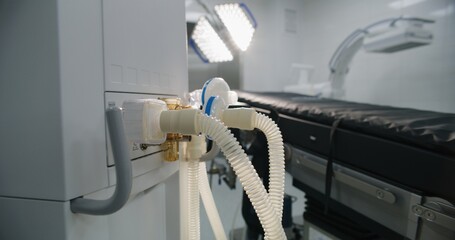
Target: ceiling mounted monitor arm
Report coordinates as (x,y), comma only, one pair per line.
(342,57)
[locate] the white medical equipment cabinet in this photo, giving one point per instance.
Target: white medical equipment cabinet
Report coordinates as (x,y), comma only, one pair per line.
(62,63)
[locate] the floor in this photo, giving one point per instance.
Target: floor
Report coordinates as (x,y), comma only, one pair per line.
(228,203)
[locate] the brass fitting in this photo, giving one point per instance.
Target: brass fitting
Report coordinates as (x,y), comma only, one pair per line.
(171,145)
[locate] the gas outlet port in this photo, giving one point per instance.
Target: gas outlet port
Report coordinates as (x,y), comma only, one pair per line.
(171,145)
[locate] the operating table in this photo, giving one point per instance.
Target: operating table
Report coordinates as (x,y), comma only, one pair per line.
(368,171)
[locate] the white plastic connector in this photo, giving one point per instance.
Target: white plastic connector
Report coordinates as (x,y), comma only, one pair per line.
(215,87)
(214,107)
(195,148)
(218,87)
(181,121)
(233,97)
(142,120)
(241,118)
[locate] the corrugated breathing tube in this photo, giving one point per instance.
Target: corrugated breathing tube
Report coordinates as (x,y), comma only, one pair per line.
(247,175)
(191,121)
(276,159)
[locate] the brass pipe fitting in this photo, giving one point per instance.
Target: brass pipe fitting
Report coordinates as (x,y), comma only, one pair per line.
(171,145)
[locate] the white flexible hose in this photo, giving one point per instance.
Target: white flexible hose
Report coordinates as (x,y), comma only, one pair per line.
(189,199)
(248,177)
(209,204)
(193,198)
(210,155)
(184,209)
(276,159)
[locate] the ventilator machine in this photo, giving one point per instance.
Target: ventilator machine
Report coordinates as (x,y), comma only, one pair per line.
(101,141)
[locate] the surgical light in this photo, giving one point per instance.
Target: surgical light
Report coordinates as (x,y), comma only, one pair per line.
(207,43)
(239,22)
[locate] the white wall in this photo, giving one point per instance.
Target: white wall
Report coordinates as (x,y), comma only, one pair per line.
(422,78)
(199,72)
(275,46)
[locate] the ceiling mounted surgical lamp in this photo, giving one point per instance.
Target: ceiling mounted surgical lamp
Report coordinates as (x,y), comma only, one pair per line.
(385,36)
(207,43)
(216,36)
(239,23)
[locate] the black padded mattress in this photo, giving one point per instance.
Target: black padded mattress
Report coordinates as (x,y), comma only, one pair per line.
(411,148)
